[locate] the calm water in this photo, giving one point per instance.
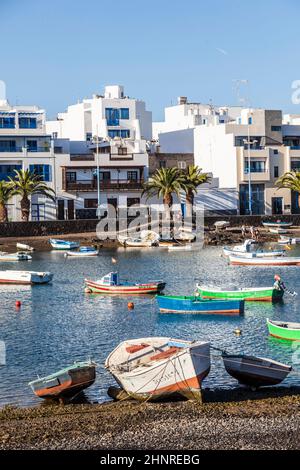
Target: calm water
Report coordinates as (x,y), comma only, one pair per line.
(59,323)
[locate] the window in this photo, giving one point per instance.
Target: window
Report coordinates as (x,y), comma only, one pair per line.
(122,150)
(112,116)
(133,201)
(162,164)
(55,135)
(181,165)
(7,122)
(276,171)
(275,128)
(89,136)
(31,145)
(125,133)
(27,123)
(90,203)
(257,166)
(8,146)
(8,170)
(124,113)
(113,133)
(250,120)
(132,175)
(44,171)
(295,165)
(71,176)
(104,175)
(275,152)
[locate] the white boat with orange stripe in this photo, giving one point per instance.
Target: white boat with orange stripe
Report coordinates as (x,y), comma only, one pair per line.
(110,284)
(157,367)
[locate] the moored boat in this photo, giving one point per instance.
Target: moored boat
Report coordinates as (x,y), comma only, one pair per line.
(278,223)
(195,304)
(24,247)
(146,238)
(67,382)
(255,371)
(83,252)
(159,367)
(25,277)
(253,254)
(267,294)
(243,248)
(284,330)
(110,284)
(257,261)
(58,244)
(19,256)
(288,240)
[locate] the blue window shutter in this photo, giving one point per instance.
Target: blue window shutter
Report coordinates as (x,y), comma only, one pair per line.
(31,168)
(46,173)
(124,113)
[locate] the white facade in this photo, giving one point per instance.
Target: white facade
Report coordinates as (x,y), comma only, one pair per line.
(24,144)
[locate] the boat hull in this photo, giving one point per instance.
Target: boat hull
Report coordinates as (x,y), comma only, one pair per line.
(77,254)
(25,277)
(282,332)
(63,245)
(194,304)
(150,288)
(279,261)
(268,294)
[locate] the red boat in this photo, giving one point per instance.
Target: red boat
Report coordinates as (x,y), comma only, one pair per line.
(109,284)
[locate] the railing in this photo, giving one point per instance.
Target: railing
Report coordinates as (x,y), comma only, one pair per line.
(11,149)
(256,170)
(38,149)
(295,147)
(91,185)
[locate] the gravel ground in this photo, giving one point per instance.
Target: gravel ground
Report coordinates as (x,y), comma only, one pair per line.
(259,423)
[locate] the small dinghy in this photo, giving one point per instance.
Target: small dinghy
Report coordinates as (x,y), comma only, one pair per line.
(67,382)
(110,284)
(284,330)
(83,251)
(266,294)
(195,304)
(255,371)
(24,247)
(58,244)
(25,277)
(159,367)
(19,256)
(257,261)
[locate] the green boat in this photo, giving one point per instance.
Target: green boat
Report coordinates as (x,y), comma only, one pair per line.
(284,330)
(266,294)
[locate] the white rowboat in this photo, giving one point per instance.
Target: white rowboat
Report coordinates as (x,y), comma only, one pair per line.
(25,277)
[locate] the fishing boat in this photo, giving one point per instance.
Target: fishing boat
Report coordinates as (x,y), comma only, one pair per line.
(237,249)
(284,330)
(255,371)
(146,238)
(244,250)
(257,261)
(19,256)
(67,382)
(58,244)
(25,277)
(288,240)
(195,304)
(110,284)
(159,367)
(24,247)
(266,294)
(83,251)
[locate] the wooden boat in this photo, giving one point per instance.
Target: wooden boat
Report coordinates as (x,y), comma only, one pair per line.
(284,330)
(110,284)
(195,304)
(19,256)
(83,251)
(67,382)
(267,294)
(25,277)
(63,244)
(159,367)
(288,240)
(24,247)
(255,371)
(256,261)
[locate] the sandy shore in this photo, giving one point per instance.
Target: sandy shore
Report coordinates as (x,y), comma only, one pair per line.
(259,423)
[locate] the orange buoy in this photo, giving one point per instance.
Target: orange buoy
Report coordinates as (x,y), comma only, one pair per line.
(18,303)
(130,305)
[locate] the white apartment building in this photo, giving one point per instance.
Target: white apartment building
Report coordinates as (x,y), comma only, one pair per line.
(119,126)
(24,144)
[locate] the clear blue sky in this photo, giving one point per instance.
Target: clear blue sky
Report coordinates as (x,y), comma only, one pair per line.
(55,52)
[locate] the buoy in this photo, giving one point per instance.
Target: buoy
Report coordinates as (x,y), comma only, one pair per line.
(130,305)
(18,303)
(237,331)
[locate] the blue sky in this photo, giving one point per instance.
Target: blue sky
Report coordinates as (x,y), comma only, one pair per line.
(55,52)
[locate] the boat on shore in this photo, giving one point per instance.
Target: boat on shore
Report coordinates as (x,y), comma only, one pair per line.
(254,371)
(67,382)
(146,238)
(160,367)
(25,277)
(24,247)
(195,304)
(265,294)
(288,240)
(110,284)
(284,330)
(278,226)
(58,244)
(257,261)
(19,256)
(83,252)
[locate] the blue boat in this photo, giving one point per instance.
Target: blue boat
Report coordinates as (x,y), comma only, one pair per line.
(195,304)
(58,244)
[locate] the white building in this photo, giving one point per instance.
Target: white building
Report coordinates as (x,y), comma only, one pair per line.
(122,126)
(24,144)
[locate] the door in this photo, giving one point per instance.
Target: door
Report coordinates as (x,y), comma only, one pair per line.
(38,212)
(277,205)
(70,209)
(61,209)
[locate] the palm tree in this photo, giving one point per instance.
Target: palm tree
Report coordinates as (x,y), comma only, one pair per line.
(26,184)
(290,180)
(6,192)
(163,184)
(193,178)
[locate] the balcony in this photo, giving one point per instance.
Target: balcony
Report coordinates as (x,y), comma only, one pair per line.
(105,185)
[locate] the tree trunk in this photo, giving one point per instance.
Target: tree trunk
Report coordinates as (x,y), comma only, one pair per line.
(168,203)
(189,203)
(3,212)
(25,208)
